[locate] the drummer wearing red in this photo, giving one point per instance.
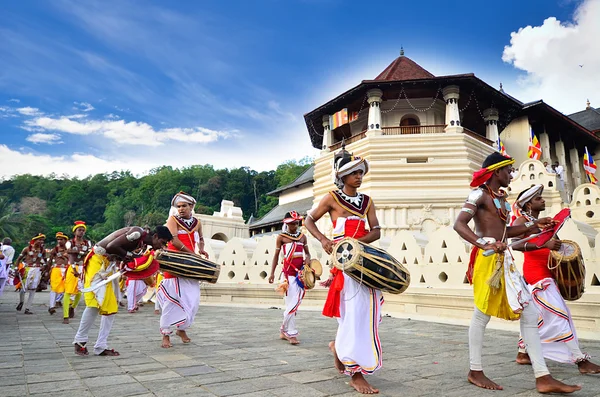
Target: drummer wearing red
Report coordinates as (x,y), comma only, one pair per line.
(295,256)
(179,297)
(557,332)
(357,349)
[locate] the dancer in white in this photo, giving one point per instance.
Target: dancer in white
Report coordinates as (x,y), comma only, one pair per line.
(31,262)
(58,263)
(357,349)
(559,339)
(295,255)
(8,252)
(179,297)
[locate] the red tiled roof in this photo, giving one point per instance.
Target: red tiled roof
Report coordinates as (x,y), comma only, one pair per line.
(404,68)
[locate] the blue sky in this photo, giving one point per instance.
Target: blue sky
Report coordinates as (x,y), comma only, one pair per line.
(94,86)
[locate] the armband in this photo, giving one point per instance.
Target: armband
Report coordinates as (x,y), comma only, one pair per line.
(529,224)
(376,227)
(468,210)
(310,216)
(134,236)
(201,238)
(129,254)
(481,241)
(474,197)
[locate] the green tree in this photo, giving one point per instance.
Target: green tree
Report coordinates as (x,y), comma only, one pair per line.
(10,219)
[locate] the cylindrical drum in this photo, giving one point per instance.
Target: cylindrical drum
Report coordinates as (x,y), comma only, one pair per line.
(569,270)
(370,266)
(183,264)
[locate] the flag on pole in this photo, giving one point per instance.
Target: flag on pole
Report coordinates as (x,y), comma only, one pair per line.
(500,147)
(535,149)
(590,166)
(338,119)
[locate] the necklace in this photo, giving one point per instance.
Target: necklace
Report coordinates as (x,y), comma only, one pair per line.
(294,235)
(497,197)
(354,200)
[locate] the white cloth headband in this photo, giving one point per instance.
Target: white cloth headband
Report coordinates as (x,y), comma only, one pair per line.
(529,194)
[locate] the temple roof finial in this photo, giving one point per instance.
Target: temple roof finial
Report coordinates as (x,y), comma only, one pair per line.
(588,104)
(501,89)
(401,51)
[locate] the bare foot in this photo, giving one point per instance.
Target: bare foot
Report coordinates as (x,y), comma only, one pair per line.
(547,384)
(183,336)
(336,361)
(157,312)
(282,336)
(66,320)
(588,367)
(361,385)
(293,340)
(523,359)
(166,342)
(479,379)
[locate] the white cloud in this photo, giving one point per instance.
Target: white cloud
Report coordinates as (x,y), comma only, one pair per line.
(14,100)
(29,111)
(128,133)
(49,139)
(83,106)
(561,60)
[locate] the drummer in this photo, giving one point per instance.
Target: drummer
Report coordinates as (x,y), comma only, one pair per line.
(498,288)
(557,332)
(295,255)
(179,297)
(122,245)
(356,350)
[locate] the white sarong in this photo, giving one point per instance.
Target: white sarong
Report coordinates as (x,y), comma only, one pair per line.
(179,299)
(136,289)
(32,281)
(293,299)
(555,324)
(357,341)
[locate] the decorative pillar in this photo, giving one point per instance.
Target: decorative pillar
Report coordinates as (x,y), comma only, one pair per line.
(575,170)
(545,144)
(451,96)
(393,224)
(561,156)
(404,217)
(374,123)
(491,125)
(327,134)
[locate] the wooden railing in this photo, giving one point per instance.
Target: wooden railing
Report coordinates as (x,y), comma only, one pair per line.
(414,129)
(410,130)
(353,138)
(475,135)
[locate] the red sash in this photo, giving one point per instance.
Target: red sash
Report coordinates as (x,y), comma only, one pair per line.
(354,228)
(535,266)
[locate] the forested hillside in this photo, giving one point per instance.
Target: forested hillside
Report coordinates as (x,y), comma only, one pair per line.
(33,204)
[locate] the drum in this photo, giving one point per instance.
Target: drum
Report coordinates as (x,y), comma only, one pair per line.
(150,281)
(309,275)
(568,269)
(370,266)
(183,264)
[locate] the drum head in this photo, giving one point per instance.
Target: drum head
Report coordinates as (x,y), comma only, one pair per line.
(567,249)
(316,266)
(308,278)
(346,253)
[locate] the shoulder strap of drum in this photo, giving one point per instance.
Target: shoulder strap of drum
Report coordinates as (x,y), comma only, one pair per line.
(287,259)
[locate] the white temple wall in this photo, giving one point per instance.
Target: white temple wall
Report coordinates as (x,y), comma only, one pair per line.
(296,194)
(516,139)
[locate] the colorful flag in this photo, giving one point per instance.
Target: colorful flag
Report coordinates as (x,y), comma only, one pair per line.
(500,147)
(535,149)
(338,119)
(590,166)
(353,116)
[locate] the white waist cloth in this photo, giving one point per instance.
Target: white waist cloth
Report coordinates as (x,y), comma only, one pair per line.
(179,299)
(357,341)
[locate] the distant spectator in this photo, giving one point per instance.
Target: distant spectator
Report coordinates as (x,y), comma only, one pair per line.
(548,167)
(560,171)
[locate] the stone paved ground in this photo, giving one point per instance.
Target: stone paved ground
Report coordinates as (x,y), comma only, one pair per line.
(235,351)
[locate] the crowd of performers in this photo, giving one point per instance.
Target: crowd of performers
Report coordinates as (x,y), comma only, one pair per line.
(547,330)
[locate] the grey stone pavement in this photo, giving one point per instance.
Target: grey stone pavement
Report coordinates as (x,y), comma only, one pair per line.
(236,351)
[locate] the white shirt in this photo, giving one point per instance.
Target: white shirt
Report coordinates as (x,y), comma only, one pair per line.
(9,253)
(560,171)
(549,169)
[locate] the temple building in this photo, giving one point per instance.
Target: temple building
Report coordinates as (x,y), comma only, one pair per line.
(425,135)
